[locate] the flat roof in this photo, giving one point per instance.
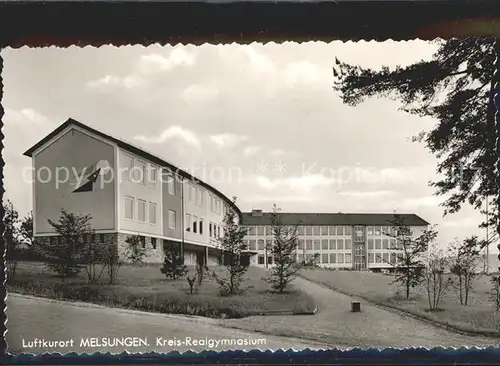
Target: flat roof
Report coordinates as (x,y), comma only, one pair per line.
(133,149)
(326,219)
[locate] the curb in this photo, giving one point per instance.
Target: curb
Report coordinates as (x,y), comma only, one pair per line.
(285,312)
(394,309)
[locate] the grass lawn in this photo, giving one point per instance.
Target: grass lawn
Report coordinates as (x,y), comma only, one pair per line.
(144,287)
(478,316)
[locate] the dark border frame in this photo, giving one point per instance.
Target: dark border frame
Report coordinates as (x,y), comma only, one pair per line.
(64,24)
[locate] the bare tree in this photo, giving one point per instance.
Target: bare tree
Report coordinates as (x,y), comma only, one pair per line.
(494,293)
(284,251)
(409,265)
(11,237)
(436,281)
(464,267)
(232,247)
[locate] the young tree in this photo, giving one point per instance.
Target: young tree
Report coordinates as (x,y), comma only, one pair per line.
(135,249)
(11,237)
(408,268)
(26,228)
(232,247)
(173,267)
(284,251)
(112,263)
(455,88)
(464,266)
(436,282)
(494,293)
(69,254)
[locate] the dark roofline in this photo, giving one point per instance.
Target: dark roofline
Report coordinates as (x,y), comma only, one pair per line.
(265,216)
(133,149)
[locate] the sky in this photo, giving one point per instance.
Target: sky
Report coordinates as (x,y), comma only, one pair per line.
(259,122)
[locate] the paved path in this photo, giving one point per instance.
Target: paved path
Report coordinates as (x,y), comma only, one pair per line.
(31,317)
(373,327)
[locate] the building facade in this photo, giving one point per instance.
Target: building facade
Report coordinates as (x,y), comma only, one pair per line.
(127,192)
(341,240)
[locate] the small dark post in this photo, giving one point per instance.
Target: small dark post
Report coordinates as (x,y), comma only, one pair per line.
(355,306)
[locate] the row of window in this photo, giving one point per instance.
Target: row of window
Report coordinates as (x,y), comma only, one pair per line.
(139,171)
(194,224)
(339,230)
(384,244)
(143,215)
(197,195)
(385,257)
(84,238)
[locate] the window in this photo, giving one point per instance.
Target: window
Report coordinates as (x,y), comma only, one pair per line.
(385,230)
(252,244)
(347,230)
(348,257)
(215,231)
(301,244)
(142,240)
(141,211)
(252,231)
(340,244)
(188,222)
(84,238)
(59,240)
(369,230)
(371,258)
(260,230)
(261,259)
(317,230)
(324,244)
(202,192)
(333,244)
(300,230)
(269,230)
(393,244)
(269,260)
(300,258)
(153,243)
(195,224)
(400,244)
(378,244)
(269,244)
(385,243)
(378,258)
(324,230)
(309,244)
(171,219)
(171,185)
(394,231)
(386,257)
(192,193)
(359,234)
(260,244)
(201,225)
(129,208)
(393,258)
(309,230)
(377,230)
(198,196)
(370,243)
(218,231)
(340,258)
(317,244)
(152,213)
(101,238)
(52,240)
(92,238)
(210,229)
(348,244)
(128,166)
(340,231)
(245,243)
(331,230)
(140,172)
(333,258)
(324,258)
(152,177)
(211,203)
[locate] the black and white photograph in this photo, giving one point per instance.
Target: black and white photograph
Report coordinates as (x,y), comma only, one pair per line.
(263,196)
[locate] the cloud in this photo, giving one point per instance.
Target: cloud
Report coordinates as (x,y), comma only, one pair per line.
(251,150)
(428,201)
(306,182)
(154,62)
(467,222)
(367,194)
(227,140)
(146,66)
(301,72)
(25,116)
(173,132)
(200,93)
(259,61)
